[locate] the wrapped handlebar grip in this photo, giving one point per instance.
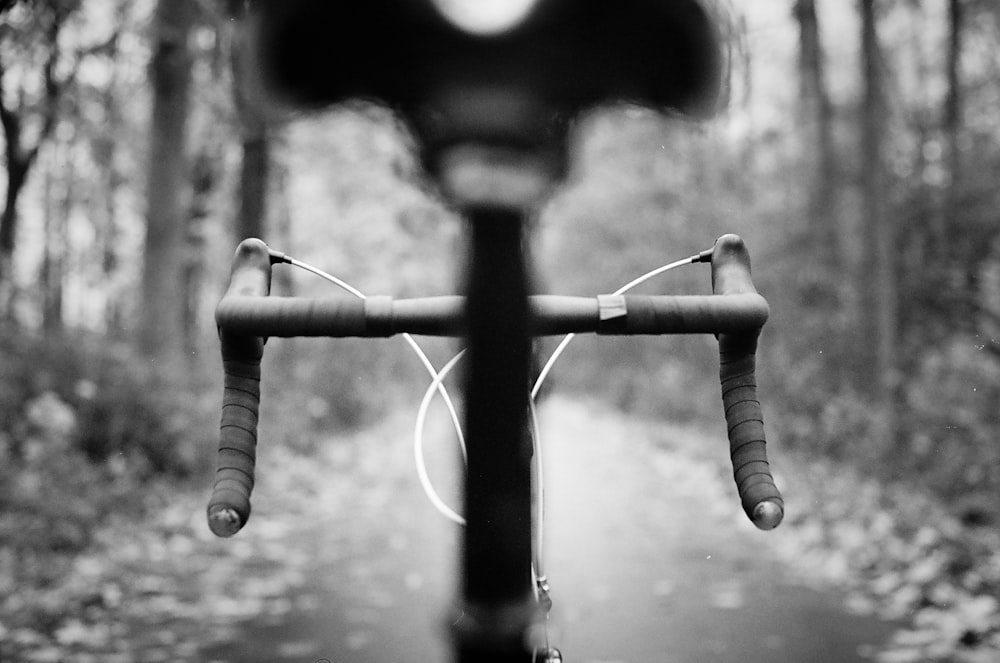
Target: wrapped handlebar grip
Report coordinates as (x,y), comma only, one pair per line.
(759,495)
(229,505)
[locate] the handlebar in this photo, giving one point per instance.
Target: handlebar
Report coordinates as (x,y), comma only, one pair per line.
(246,316)
(761,499)
(377,317)
(229,506)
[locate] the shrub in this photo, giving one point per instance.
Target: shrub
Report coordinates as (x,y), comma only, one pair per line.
(85,425)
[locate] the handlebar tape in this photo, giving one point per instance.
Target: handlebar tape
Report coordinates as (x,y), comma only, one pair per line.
(381,316)
(229,505)
(759,495)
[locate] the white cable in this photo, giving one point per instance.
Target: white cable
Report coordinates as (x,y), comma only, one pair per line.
(421,355)
(620,291)
(418,444)
(437,386)
(650,274)
(538,571)
(441,389)
(550,363)
(540,486)
(329,277)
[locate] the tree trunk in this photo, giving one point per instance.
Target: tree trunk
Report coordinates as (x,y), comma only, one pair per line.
(18,164)
(17,175)
(954,243)
(20,156)
(107,148)
(205,174)
(107,231)
(279,211)
(59,183)
(881,263)
(253,186)
(951,133)
(256,142)
(816,118)
(161,328)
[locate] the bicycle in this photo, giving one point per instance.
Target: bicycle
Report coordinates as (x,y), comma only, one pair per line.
(483,119)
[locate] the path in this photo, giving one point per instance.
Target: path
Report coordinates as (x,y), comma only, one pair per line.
(649,556)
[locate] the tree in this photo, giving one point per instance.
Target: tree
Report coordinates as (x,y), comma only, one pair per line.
(32,52)
(951,126)
(255,137)
(161,328)
(57,205)
(816,118)
(879,222)
(107,146)
(43,48)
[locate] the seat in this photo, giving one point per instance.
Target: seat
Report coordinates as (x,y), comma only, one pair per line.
(521,87)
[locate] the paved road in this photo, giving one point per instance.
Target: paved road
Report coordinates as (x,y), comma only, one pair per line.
(648,554)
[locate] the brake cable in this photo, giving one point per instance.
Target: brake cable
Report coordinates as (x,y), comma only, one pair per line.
(620,291)
(417,350)
(437,386)
(540,582)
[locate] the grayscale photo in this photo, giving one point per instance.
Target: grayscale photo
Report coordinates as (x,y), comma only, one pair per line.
(500,331)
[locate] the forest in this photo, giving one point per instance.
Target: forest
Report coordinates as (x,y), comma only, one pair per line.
(858,156)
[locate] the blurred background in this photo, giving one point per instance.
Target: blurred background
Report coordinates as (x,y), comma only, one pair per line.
(859,157)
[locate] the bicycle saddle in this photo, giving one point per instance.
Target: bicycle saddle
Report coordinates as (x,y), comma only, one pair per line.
(516,85)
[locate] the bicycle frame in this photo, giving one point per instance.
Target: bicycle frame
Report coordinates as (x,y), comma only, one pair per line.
(491,118)
(496,613)
(497,608)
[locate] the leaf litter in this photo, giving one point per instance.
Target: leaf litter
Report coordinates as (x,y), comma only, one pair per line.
(165,588)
